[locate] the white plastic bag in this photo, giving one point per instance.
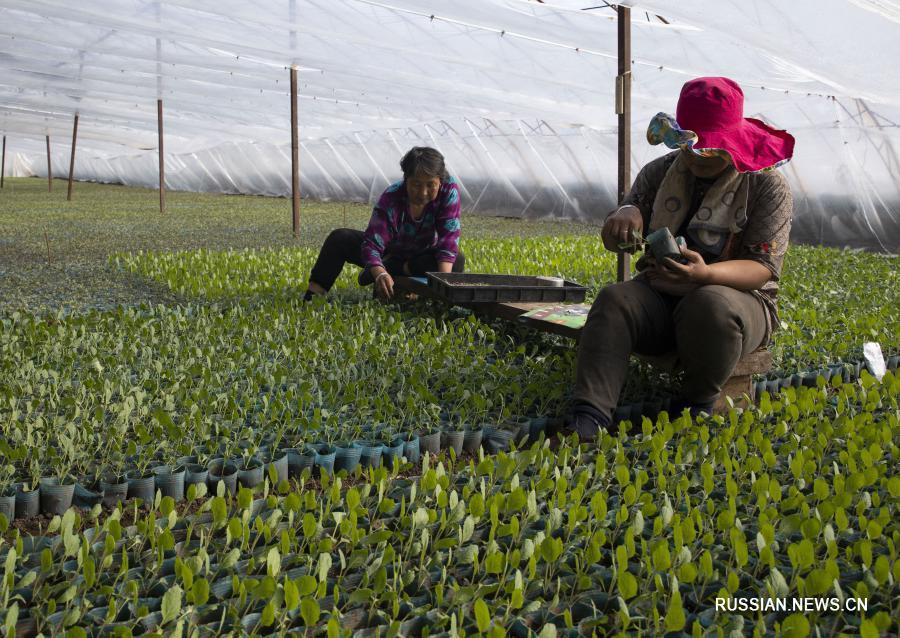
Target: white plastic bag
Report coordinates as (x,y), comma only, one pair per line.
(874,359)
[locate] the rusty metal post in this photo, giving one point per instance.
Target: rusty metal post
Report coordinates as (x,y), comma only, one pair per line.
(295,161)
(623,109)
(3,163)
(162,163)
(49,169)
(72,160)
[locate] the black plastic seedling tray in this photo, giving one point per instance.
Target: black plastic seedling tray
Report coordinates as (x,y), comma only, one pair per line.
(484,288)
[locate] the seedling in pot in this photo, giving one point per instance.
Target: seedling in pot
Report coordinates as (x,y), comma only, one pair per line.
(634,244)
(663,245)
(142,464)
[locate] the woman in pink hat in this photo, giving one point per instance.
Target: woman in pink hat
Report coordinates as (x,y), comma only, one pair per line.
(717,302)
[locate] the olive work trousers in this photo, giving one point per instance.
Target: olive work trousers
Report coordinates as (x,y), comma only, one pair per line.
(344,245)
(710,329)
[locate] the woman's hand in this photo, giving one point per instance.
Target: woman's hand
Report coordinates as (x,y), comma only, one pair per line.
(677,279)
(384,284)
(620,226)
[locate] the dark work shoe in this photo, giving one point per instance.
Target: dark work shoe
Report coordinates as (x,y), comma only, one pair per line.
(586,421)
(365,277)
(696,409)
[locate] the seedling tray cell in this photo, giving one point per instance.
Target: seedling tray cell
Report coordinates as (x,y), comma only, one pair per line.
(487,288)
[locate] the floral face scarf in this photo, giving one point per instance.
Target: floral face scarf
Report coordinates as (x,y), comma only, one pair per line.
(722,213)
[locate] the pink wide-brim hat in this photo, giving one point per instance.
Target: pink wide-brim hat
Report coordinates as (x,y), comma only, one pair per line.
(710,118)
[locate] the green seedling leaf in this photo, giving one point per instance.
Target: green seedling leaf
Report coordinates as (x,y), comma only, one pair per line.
(200,591)
(171,604)
(675,618)
(482,615)
(309,611)
(795,626)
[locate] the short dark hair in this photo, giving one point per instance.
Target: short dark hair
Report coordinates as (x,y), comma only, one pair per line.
(423,159)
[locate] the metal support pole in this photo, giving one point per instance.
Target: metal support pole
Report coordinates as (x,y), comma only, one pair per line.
(295,161)
(623,108)
(3,162)
(72,160)
(49,168)
(162,163)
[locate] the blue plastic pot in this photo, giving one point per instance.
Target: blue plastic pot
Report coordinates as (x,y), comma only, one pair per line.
(346,457)
(393,452)
(411,449)
(498,440)
(370,454)
(325,457)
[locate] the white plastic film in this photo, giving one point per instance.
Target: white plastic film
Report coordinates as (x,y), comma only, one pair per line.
(517,94)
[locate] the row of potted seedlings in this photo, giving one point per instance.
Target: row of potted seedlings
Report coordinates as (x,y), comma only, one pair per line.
(278,460)
(377,444)
(848,372)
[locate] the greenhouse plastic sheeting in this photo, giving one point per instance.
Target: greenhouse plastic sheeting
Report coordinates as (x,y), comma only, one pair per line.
(518,95)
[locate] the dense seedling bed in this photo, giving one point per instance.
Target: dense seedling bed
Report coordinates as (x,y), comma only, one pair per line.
(221,363)
(794,498)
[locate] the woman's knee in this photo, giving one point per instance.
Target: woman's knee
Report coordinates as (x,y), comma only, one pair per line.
(709,311)
(340,236)
(620,299)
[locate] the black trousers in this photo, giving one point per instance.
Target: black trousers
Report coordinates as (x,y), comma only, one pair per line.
(711,328)
(345,245)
